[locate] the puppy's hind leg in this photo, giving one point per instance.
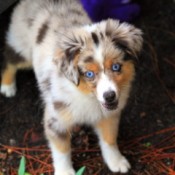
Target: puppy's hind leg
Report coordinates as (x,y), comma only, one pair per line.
(12,62)
(107,130)
(8,83)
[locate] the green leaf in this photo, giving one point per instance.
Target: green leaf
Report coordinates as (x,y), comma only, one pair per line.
(27,173)
(22,166)
(81,171)
(147,144)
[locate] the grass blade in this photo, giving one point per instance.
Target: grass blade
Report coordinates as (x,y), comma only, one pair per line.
(81,171)
(22,166)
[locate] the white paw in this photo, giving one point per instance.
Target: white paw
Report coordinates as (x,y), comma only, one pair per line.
(61,161)
(119,165)
(114,159)
(65,172)
(8,90)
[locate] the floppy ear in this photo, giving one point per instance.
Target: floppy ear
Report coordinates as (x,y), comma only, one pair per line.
(67,54)
(125,36)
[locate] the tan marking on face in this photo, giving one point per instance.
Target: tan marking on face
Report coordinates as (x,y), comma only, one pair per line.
(93,67)
(112,57)
(126,75)
(108,63)
(108,128)
(85,85)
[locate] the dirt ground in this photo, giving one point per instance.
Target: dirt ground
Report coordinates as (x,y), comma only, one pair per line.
(147,129)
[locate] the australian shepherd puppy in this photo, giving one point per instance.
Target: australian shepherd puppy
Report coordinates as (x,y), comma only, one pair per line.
(84,71)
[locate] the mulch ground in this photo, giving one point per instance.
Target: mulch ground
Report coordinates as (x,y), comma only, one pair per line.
(147,129)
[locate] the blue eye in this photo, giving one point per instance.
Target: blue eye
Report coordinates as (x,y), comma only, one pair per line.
(116,67)
(89,74)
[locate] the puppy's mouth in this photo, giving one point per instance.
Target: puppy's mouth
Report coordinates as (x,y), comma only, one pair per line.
(110,106)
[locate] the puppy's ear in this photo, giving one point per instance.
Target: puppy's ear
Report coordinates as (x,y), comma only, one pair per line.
(125,36)
(66,56)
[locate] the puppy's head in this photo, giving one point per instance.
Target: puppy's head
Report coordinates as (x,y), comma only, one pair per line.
(98,59)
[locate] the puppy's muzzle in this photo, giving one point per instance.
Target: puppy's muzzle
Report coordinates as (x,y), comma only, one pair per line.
(111,101)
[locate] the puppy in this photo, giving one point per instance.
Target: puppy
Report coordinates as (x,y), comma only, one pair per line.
(84,72)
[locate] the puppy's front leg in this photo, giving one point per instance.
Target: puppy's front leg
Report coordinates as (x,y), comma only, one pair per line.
(59,142)
(107,130)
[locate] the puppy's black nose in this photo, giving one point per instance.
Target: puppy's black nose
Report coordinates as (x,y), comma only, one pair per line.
(109,96)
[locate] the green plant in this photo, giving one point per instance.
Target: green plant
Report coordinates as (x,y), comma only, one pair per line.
(147,144)
(22,168)
(81,171)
